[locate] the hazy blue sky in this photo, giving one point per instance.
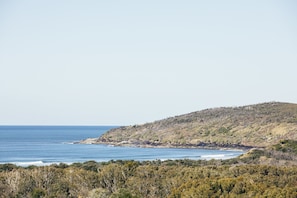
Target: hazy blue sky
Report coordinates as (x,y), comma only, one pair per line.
(128,62)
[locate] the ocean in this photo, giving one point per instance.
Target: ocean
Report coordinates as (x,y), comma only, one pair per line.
(45,145)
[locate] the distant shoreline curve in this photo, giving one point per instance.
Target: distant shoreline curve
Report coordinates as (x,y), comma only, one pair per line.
(201,145)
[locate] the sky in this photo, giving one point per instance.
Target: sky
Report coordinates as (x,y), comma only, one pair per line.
(98,62)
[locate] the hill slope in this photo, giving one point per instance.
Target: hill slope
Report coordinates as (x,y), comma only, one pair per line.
(257,125)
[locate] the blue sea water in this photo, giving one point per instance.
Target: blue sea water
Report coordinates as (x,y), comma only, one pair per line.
(44,145)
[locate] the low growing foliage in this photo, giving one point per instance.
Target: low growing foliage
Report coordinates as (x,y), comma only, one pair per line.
(150,179)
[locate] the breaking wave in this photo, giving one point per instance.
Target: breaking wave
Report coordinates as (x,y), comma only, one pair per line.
(217,156)
(34,163)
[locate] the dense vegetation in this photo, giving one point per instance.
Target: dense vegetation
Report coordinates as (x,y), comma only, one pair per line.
(246,176)
(258,125)
(287,146)
(154,179)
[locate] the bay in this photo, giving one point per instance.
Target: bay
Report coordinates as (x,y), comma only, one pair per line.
(44,145)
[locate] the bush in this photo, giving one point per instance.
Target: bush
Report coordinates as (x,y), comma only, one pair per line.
(38,193)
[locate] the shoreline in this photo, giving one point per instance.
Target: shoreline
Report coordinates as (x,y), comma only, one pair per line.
(209,146)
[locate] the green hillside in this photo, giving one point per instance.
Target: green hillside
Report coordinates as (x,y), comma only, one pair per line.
(257,125)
